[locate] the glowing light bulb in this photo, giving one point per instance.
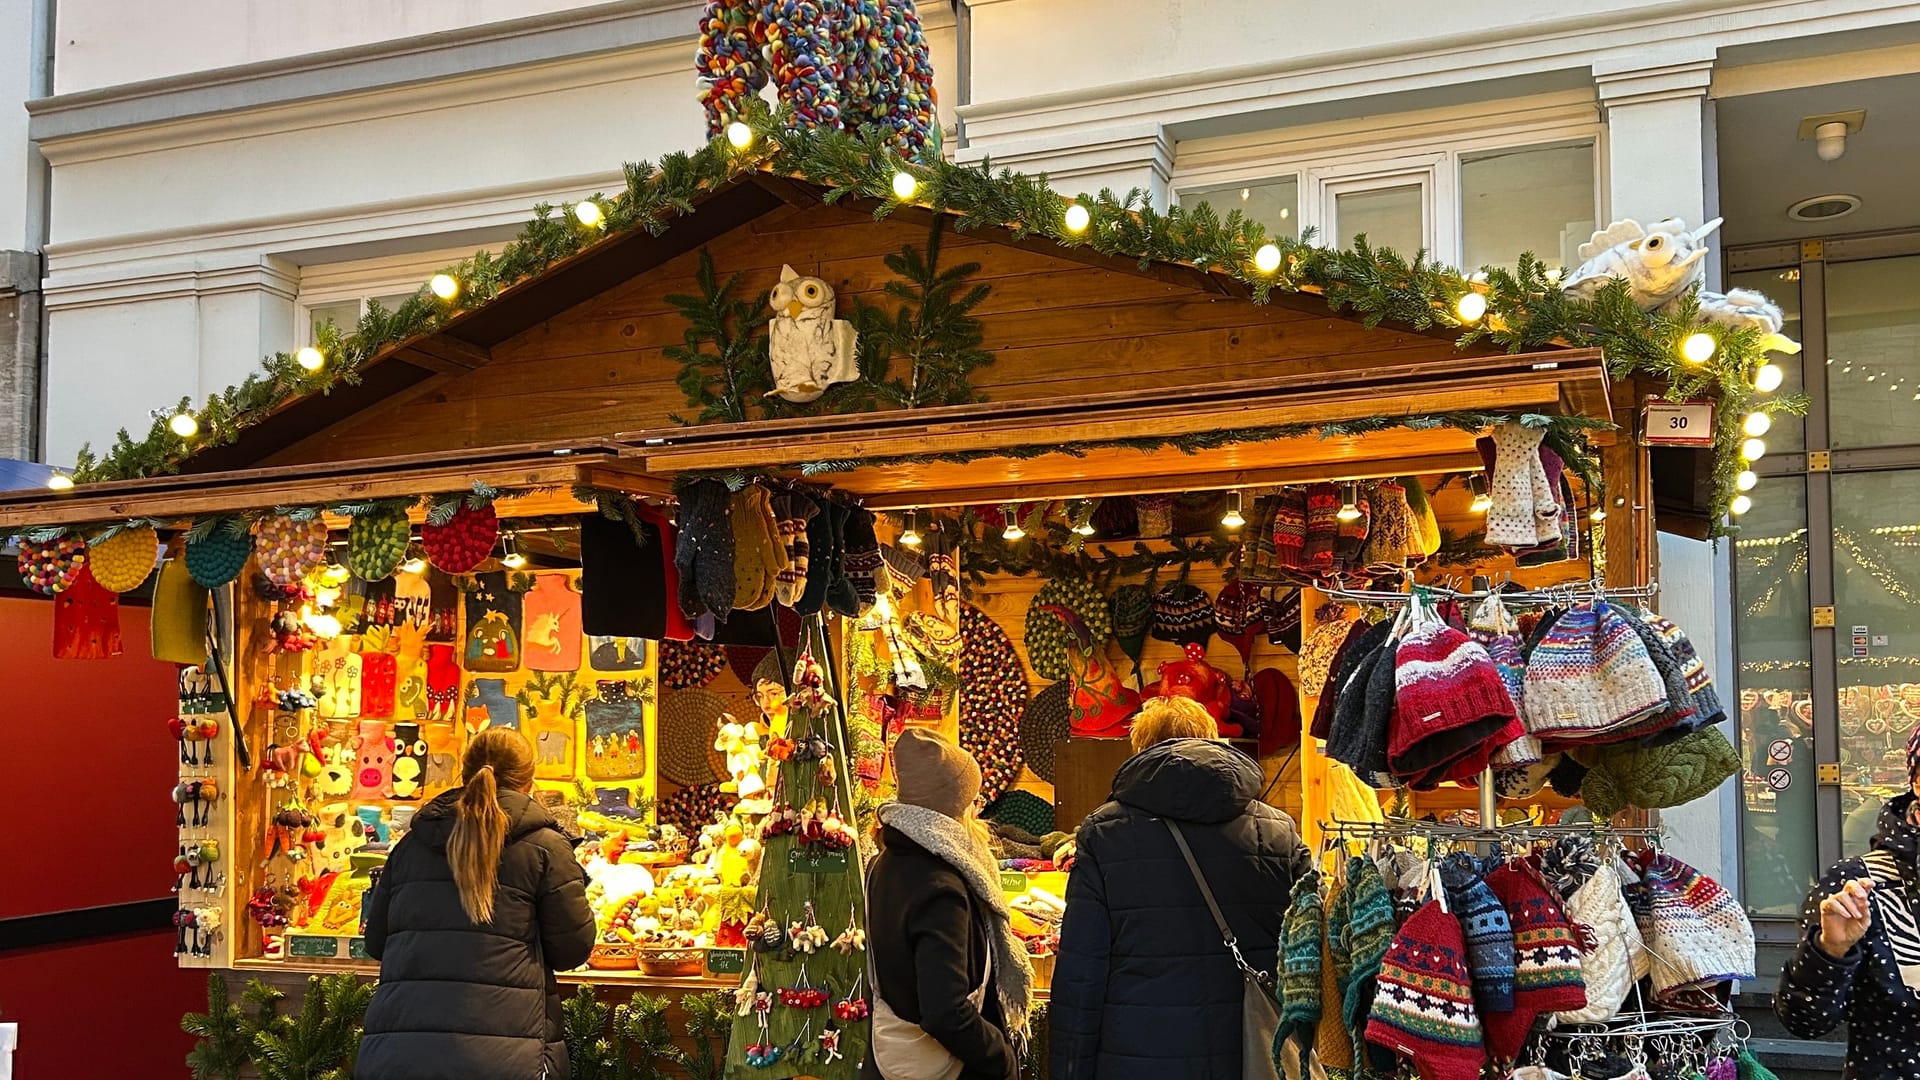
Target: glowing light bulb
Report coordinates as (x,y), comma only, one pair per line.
(1482,502)
(1267,259)
(1013,531)
(1698,348)
(415,565)
(1470,306)
(1599,514)
(910,536)
(1233,518)
(1078,218)
(444,286)
(739,135)
(1553,275)
(1746,480)
(1350,506)
(510,556)
(310,358)
(1757,424)
(325,627)
(184,425)
(60,482)
(1769,378)
(1085,528)
(904,185)
(588,213)
(1753,449)
(1740,505)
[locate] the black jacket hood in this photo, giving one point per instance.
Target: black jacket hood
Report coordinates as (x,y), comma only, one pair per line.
(1196,780)
(434,823)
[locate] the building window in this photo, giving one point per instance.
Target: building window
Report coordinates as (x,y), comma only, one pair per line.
(1873,352)
(340,292)
(346,314)
(1471,207)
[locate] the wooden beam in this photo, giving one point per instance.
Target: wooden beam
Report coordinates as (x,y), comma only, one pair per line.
(989,492)
(626,476)
(444,354)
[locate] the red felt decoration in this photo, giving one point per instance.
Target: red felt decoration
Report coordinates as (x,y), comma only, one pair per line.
(464,542)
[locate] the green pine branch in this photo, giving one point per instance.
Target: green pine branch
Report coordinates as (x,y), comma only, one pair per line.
(728,382)
(321,1041)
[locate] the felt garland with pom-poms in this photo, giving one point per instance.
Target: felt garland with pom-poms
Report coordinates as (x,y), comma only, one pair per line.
(993,695)
(290,550)
(48,567)
(125,559)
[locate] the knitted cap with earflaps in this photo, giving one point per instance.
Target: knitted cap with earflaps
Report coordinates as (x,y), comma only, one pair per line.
(1363,932)
(1546,959)
(1288,531)
(1588,677)
(1657,777)
(1240,614)
(1182,613)
(1331,623)
(1301,931)
(1424,1008)
(1695,930)
(1283,616)
(1131,610)
(1483,923)
(1332,1041)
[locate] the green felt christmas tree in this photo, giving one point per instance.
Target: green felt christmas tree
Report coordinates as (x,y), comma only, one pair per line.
(802,1006)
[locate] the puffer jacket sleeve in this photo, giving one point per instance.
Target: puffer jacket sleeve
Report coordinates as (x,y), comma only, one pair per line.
(375,932)
(560,905)
(1815,990)
(940,933)
(1079,994)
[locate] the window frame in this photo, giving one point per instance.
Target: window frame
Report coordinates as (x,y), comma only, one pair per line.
(360,280)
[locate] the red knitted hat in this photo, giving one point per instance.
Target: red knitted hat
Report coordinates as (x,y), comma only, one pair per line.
(1449,703)
(1290,527)
(1423,1007)
(1279,710)
(1546,959)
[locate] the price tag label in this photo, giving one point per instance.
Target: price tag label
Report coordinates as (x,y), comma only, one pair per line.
(726,961)
(313,946)
(1677,423)
(357,949)
(801,861)
(1013,881)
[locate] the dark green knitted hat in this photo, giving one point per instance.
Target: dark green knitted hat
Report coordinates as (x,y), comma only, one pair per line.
(1658,777)
(1299,975)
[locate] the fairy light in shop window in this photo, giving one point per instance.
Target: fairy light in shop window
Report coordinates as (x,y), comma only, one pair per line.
(909,533)
(310,358)
(1233,519)
(1350,507)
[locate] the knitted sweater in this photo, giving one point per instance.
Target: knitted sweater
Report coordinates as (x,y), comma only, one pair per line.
(1862,989)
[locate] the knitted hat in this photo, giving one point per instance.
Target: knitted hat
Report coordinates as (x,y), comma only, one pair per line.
(1604,922)
(1023,809)
(1240,614)
(1483,922)
(1546,955)
(1450,702)
(1677,718)
(1424,1008)
(1706,701)
(1131,611)
(1323,528)
(1363,936)
(993,697)
(1115,517)
(1696,932)
(1426,527)
(792,511)
(862,561)
(1279,710)
(1283,617)
(1155,515)
(934,773)
(1392,542)
(758,556)
(1256,541)
(1331,625)
(1589,676)
(1363,713)
(1290,528)
(1515,782)
(1182,614)
(1332,1039)
(1495,631)
(1302,931)
(1047,721)
(703,553)
(1657,777)
(1350,536)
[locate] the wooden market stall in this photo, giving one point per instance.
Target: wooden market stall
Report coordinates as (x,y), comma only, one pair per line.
(1096,377)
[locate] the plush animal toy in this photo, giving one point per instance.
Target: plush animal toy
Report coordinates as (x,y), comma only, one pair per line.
(741,743)
(1661,264)
(373,766)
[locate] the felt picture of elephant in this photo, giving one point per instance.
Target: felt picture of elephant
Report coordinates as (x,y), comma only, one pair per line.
(551,751)
(439,771)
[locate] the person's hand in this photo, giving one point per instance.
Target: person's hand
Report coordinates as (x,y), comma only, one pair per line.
(1845,917)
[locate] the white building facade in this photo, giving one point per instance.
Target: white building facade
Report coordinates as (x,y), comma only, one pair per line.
(219,177)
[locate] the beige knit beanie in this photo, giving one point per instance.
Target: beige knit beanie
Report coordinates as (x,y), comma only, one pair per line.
(934,773)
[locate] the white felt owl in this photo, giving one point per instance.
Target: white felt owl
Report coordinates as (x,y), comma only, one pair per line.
(809,348)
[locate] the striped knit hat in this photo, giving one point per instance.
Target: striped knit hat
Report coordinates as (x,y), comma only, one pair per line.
(1706,701)
(1300,937)
(1589,677)
(1323,528)
(1546,954)
(1288,532)
(1363,932)
(1424,1007)
(1696,931)
(1450,705)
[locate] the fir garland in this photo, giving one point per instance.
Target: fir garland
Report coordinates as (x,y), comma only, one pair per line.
(1525,309)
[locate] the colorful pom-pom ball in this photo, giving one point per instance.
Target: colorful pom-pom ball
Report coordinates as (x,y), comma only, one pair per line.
(377,543)
(217,557)
(290,550)
(122,561)
(49,567)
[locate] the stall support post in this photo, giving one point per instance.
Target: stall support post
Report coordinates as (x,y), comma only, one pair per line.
(1313,757)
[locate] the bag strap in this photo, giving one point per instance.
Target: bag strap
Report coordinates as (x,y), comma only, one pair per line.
(1206,893)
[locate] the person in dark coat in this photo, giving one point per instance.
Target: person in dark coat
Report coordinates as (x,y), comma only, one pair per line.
(1858,960)
(480,903)
(1144,989)
(952,986)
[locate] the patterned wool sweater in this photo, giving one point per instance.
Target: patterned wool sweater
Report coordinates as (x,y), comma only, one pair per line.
(1863,989)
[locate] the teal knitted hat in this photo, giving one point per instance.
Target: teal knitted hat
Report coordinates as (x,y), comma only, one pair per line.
(1299,975)
(1369,933)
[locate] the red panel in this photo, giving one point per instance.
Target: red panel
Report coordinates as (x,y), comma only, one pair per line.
(87,765)
(106,1009)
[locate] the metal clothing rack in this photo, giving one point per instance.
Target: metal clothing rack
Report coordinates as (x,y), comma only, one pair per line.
(1691,1039)
(1404,828)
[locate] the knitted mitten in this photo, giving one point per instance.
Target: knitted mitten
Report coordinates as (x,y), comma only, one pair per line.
(1351,536)
(1289,528)
(1512,520)
(842,598)
(704,552)
(862,560)
(756,557)
(792,511)
(1323,527)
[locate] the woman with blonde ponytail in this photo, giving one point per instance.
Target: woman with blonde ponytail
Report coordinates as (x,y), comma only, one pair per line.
(480,903)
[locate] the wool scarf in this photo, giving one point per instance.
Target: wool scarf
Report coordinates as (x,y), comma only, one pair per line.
(952,843)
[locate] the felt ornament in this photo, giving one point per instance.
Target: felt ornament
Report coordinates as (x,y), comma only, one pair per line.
(493,620)
(1046,723)
(616,653)
(123,561)
(409,761)
(464,541)
(377,542)
(690,665)
(551,614)
(616,746)
(86,620)
(219,554)
(289,550)
(689,722)
(1131,610)
(48,567)
(337,672)
(993,697)
(1062,611)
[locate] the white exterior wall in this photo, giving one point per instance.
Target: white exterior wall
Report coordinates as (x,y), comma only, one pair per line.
(215,163)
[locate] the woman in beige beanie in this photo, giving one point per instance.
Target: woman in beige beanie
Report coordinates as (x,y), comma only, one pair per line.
(951,984)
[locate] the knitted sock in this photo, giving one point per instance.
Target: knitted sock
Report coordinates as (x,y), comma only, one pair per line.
(1351,536)
(1289,530)
(792,511)
(1323,527)
(862,558)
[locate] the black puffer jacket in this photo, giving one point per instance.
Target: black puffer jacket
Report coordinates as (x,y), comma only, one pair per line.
(1144,986)
(927,934)
(459,1001)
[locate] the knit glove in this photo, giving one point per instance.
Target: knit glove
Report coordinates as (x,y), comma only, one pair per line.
(1517,492)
